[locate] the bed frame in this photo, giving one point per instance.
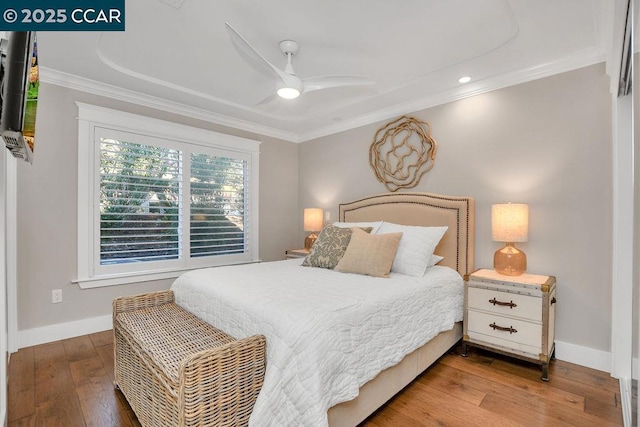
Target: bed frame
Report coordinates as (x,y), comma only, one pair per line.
(457,248)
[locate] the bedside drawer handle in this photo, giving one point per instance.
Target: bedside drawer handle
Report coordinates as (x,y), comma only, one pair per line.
(510,329)
(509,304)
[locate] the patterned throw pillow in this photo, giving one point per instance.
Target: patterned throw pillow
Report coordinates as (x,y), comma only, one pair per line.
(329,247)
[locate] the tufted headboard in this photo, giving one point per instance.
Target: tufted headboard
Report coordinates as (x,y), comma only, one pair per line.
(424,209)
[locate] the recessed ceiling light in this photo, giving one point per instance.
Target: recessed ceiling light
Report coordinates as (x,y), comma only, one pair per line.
(465,79)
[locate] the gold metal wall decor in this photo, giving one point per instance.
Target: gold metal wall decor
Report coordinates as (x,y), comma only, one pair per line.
(402,152)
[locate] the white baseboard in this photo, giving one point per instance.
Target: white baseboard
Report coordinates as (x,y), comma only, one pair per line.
(62,331)
(583,356)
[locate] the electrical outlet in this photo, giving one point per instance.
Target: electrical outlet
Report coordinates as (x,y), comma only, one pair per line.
(56,296)
(327,216)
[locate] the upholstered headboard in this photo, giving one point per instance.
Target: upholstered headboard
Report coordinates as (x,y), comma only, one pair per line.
(424,209)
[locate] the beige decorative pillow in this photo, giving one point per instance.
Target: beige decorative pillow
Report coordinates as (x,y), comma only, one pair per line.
(370,254)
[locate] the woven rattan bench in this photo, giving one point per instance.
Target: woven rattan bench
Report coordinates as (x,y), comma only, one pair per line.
(177,370)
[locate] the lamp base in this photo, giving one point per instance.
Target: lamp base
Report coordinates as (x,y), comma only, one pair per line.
(309,241)
(510,261)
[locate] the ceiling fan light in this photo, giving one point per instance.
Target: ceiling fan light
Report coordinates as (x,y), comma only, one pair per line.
(288,92)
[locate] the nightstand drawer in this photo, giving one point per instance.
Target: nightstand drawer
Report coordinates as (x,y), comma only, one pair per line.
(504,303)
(505,331)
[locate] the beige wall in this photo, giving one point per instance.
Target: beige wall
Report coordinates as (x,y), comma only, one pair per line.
(47,205)
(546,143)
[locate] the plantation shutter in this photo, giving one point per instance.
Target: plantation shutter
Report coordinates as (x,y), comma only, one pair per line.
(139,202)
(218,202)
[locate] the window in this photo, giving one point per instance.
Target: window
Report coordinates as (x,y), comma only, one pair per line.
(156,198)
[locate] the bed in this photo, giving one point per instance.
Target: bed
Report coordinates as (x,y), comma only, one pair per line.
(304,387)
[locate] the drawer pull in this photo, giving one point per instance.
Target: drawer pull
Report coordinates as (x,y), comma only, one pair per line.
(510,329)
(509,304)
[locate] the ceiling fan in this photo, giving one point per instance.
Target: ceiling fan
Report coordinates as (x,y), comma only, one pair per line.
(289,85)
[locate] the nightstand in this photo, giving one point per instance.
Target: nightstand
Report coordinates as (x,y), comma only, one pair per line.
(296,253)
(511,315)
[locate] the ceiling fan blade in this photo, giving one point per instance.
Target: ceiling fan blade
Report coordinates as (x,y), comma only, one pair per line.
(252,56)
(326,82)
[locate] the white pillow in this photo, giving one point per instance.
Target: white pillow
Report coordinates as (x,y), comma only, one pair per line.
(416,247)
(434,259)
(375,225)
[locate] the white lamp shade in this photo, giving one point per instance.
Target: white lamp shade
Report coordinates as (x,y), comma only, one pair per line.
(312,219)
(510,222)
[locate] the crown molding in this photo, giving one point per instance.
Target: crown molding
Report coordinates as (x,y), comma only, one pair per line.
(581,59)
(71,81)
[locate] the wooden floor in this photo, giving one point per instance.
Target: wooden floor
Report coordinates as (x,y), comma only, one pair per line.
(69,383)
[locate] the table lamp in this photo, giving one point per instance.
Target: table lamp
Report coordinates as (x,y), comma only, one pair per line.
(312,223)
(510,224)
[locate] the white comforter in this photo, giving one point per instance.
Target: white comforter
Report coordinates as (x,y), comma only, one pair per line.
(328,333)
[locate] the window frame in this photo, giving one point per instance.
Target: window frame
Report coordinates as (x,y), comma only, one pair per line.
(93,121)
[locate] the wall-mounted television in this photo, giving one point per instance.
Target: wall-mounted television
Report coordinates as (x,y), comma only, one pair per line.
(19,84)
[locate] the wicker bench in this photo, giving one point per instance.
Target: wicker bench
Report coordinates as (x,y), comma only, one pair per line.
(177,370)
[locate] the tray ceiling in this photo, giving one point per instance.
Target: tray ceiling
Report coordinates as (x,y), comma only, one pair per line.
(177,55)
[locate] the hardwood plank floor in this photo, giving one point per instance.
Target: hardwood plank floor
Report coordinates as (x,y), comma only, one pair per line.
(70,383)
